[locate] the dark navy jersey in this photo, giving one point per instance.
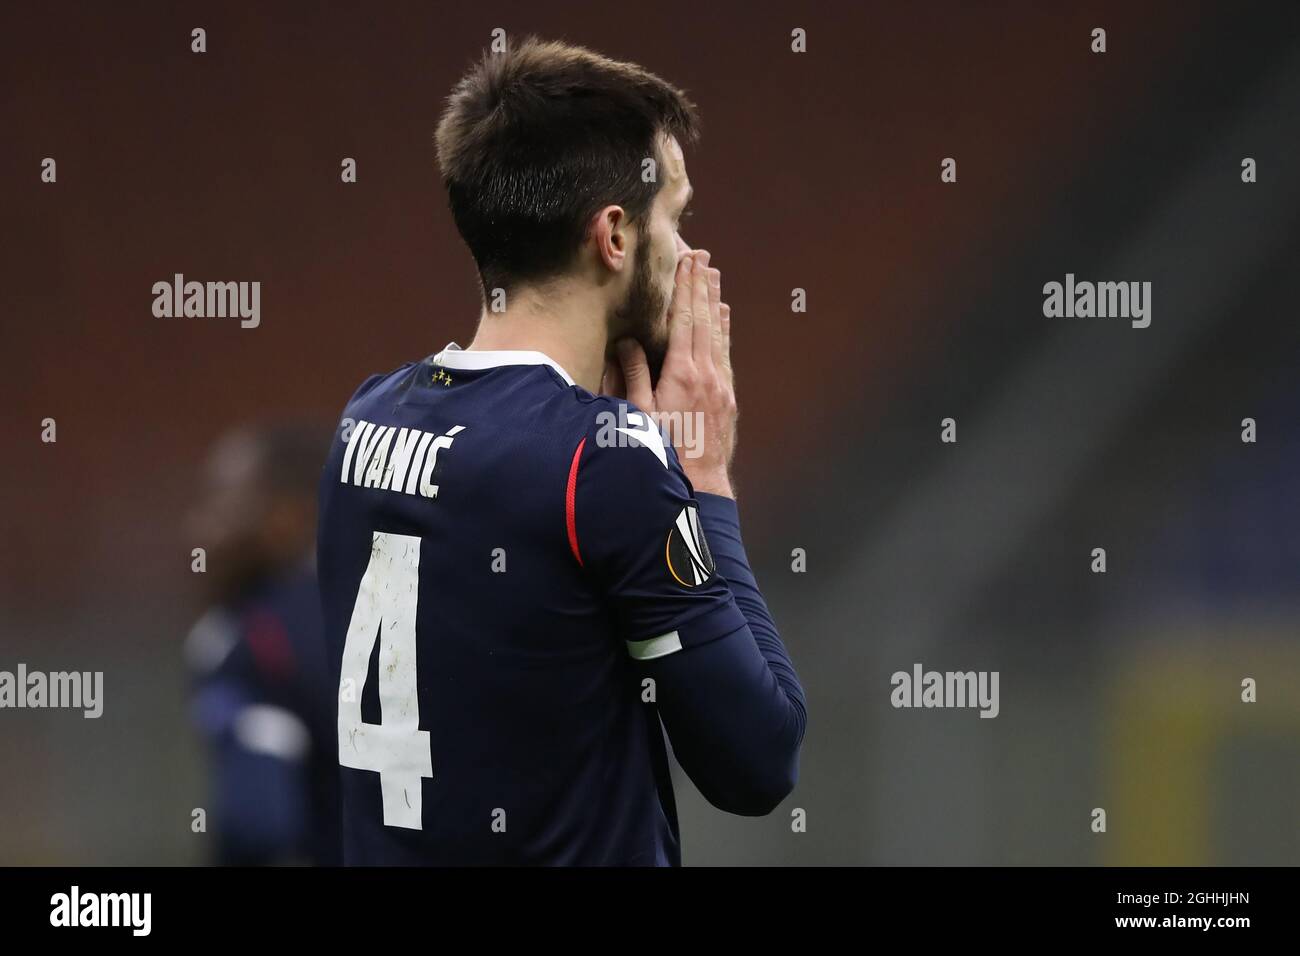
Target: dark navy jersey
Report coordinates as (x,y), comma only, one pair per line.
(499,550)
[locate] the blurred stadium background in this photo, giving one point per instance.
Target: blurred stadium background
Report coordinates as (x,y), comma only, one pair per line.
(818,171)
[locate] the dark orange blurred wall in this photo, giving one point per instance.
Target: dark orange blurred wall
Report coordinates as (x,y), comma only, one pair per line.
(817,171)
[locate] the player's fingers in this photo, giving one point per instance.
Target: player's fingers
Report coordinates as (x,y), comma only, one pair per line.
(679,318)
(612,384)
(636,375)
(715,319)
(702,337)
(724,322)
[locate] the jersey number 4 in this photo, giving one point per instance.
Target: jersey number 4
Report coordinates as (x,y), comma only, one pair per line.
(396,748)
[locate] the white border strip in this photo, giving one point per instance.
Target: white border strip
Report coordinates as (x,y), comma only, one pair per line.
(453,356)
(669,643)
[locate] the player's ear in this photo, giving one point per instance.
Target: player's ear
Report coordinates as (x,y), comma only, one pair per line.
(612,234)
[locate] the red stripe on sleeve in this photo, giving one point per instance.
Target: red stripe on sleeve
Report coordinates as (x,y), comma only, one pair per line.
(570,495)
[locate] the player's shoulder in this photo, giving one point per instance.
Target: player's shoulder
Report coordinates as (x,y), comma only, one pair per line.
(626,485)
(380,384)
(625,447)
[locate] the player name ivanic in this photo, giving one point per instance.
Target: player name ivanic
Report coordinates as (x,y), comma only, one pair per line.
(395,459)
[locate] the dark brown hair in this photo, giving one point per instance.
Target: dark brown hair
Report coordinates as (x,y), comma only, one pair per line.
(534,141)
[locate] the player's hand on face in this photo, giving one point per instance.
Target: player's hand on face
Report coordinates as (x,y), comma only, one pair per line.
(611,382)
(696,385)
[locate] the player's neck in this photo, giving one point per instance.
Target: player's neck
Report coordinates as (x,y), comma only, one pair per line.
(565,322)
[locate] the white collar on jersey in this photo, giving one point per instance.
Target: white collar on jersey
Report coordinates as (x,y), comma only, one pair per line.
(453,356)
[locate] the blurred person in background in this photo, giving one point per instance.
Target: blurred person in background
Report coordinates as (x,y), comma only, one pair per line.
(261,698)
